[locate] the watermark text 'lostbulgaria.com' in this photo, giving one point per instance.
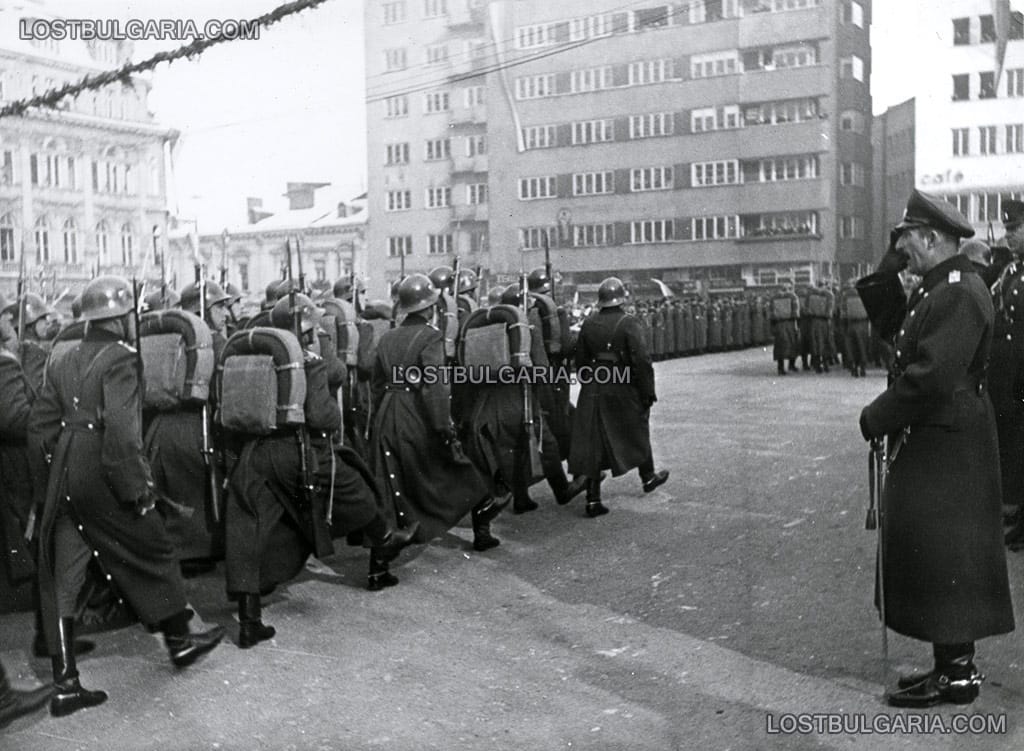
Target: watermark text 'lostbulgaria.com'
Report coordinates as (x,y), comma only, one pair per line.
(842,723)
(135,29)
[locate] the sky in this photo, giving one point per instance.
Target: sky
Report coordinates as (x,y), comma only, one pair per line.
(254,115)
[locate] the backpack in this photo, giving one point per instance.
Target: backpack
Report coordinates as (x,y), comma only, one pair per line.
(261,382)
(494,337)
(177,359)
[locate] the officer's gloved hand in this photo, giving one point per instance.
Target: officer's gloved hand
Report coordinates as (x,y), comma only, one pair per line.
(894,260)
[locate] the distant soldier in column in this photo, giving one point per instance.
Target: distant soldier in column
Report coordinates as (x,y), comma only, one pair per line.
(40,327)
(612,425)
(86,425)
(803,293)
(700,326)
(785,314)
(819,314)
(855,324)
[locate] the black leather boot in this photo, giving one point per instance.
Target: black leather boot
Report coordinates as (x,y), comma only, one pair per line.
(251,630)
(69,696)
(573,489)
(482,516)
(39,648)
(15,704)
(652,482)
(594,506)
(388,547)
(183,646)
(379,577)
(955,680)
(782,367)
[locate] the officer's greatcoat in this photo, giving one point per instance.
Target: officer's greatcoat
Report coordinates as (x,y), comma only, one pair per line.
(945,566)
(611,429)
(1006,376)
(16,564)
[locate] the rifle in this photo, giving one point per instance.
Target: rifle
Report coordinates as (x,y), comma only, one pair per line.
(547,265)
(305,484)
(20,301)
(877,470)
(302,275)
(204,417)
(224,258)
(533,447)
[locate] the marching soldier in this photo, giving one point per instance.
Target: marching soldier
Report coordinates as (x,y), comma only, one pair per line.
(945,578)
(162,299)
(803,293)
(820,303)
(784,315)
(99,497)
(611,429)
(15,704)
(855,325)
(40,326)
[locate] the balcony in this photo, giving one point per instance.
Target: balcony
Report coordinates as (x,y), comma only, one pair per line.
(462,68)
(468,117)
(464,165)
(785,83)
(462,17)
(783,27)
(470,213)
(808,137)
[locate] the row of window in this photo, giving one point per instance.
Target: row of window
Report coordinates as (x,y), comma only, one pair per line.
(986,88)
(990,140)
(63,244)
(967,31)
(437,244)
(62,171)
(435,149)
(397,11)
(437,197)
(663,16)
(982,207)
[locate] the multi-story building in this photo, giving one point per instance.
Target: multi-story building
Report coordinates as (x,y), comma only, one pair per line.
(328,231)
(970,118)
(720,143)
(82,187)
(892,135)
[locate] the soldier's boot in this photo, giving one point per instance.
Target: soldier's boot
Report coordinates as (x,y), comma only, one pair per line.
(251,629)
(955,680)
(782,367)
(69,696)
(816,364)
(803,362)
(379,576)
(185,647)
(655,479)
(482,516)
(571,490)
(521,501)
(15,704)
(594,506)
(792,366)
(384,549)
(39,648)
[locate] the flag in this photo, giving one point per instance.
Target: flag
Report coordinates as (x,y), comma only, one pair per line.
(666,291)
(1001,17)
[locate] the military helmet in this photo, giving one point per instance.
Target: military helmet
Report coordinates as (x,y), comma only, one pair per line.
(33,307)
(494,295)
(282,314)
(285,287)
(271,292)
(377,310)
(3,304)
(190,296)
(106,297)
(611,293)
(467,281)
(416,292)
(539,281)
(161,300)
(233,292)
(343,288)
(441,277)
(511,295)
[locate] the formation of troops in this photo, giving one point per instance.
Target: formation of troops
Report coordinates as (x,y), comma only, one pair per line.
(150,439)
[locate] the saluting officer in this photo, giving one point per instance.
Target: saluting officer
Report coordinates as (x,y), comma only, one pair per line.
(86,425)
(945,577)
(611,427)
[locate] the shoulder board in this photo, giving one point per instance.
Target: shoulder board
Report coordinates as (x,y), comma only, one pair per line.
(128,347)
(954,276)
(432,326)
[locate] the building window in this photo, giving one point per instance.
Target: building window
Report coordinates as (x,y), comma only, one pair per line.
(1015,82)
(438,148)
(127,245)
(439,244)
(855,14)
(537,35)
(987,140)
(593,131)
(652,18)
(780,225)
(987,85)
(475,96)
(1016,25)
(650,178)
(988,29)
(590,79)
(70,241)
(651,231)
(243,276)
(852,67)
(531,188)
(796,56)
(593,235)
(535,87)
(399,200)
(476,193)
(539,137)
(851,173)
(1014,139)
(962,202)
(439,198)
(399,245)
(785,111)
(649,126)
(535,238)
(397,106)
(395,59)
(961,141)
(852,121)
(435,8)
(397,153)
(715,173)
(851,228)
(476,145)
(988,207)
(650,71)
(7,168)
(961,31)
(394,12)
(714,227)
(437,101)
(714,64)
(103,242)
(784,168)
(8,250)
(961,87)
(437,54)
(42,236)
(593,183)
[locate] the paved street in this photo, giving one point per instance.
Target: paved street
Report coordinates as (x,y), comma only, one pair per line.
(689,618)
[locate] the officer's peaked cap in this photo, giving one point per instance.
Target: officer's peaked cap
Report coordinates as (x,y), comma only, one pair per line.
(927,210)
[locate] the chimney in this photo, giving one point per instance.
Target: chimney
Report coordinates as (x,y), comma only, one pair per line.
(300,195)
(254,208)
(342,210)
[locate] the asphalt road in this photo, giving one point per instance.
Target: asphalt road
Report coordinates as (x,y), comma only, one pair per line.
(705,615)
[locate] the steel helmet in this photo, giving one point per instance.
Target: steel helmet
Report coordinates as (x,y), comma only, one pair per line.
(467,281)
(494,295)
(342,288)
(513,296)
(106,297)
(161,300)
(379,310)
(33,307)
(611,293)
(539,281)
(441,277)
(281,315)
(190,296)
(416,292)
(271,292)
(233,292)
